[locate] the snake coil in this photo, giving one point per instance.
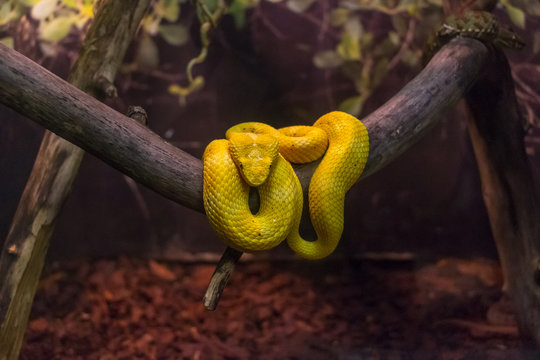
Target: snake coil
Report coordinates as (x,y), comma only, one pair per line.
(257,155)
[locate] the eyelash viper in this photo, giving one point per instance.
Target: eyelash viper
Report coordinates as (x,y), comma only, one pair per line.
(258,155)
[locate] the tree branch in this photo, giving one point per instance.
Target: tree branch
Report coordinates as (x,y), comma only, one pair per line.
(147,158)
(220,277)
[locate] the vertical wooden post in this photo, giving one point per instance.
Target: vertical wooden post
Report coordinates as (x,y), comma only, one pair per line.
(54,170)
(496,129)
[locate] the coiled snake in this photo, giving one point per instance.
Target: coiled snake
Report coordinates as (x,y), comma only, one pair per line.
(257,155)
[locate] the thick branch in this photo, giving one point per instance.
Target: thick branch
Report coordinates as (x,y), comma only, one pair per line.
(144,156)
(90,124)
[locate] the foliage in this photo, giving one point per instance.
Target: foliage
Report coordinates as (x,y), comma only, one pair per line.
(362,54)
(55,18)
(366,58)
(209,13)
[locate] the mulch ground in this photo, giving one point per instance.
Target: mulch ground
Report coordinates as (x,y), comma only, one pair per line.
(140,309)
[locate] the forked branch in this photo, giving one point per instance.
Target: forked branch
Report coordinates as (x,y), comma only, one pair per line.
(143,155)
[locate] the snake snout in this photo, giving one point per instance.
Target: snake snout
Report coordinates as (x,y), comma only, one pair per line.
(255,171)
(254,155)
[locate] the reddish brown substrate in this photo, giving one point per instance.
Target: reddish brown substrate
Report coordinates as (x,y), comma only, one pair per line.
(135,309)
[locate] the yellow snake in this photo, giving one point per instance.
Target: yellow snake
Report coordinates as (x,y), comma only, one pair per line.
(257,155)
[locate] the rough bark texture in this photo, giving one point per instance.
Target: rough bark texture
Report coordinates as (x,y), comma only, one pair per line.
(496,130)
(220,277)
(55,168)
(144,156)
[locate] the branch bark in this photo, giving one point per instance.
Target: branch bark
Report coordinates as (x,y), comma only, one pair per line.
(144,156)
(55,169)
(220,277)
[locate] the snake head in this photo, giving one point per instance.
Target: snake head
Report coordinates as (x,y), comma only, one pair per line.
(254,155)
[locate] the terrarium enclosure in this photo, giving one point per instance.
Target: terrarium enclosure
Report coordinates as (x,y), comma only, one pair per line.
(416,274)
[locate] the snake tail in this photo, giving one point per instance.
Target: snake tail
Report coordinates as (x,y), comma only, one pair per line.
(340,168)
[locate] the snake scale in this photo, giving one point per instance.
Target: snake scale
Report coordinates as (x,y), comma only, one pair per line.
(257,155)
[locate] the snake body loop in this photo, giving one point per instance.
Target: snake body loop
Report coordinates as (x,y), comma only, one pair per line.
(341,166)
(230,165)
(226,197)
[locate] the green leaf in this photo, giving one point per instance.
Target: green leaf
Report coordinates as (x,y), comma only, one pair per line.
(400,24)
(172,12)
(327,59)
(516,15)
(339,16)
(8,41)
(238,11)
(411,57)
(212,5)
(151,24)
(299,6)
(5,11)
(43,9)
(86,11)
(27,2)
(413,10)
(354,28)
(349,47)
(174,34)
(352,105)
(168,9)
(394,38)
(147,54)
(387,47)
(57,29)
(366,40)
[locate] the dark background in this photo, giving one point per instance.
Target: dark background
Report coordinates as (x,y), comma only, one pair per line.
(428,202)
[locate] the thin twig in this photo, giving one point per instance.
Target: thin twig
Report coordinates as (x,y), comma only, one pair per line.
(138,114)
(409,37)
(221,276)
(312,19)
(274,30)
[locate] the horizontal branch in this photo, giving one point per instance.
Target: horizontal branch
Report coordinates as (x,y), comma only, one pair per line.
(115,138)
(143,155)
